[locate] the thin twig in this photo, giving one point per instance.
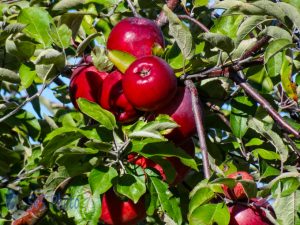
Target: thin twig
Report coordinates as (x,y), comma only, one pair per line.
(219,113)
(28,99)
(198,115)
(198,23)
(131,6)
(237,78)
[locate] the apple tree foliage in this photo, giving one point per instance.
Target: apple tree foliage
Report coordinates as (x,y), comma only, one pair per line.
(69,156)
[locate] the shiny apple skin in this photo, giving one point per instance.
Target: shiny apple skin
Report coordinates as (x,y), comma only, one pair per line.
(238,191)
(86,82)
(241,214)
(136,36)
(180,110)
(149,83)
(112,98)
(180,169)
(115,211)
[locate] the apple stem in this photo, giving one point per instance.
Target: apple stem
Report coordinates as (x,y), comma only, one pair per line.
(198,115)
(132,8)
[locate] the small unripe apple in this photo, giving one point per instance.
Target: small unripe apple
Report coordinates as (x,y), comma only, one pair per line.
(136,36)
(86,82)
(238,191)
(149,83)
(116,211)
(180,110)
(181,170)
(112,98)
(251,214)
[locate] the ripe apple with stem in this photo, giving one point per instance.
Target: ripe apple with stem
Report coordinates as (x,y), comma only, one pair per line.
(149,83)
(136,36)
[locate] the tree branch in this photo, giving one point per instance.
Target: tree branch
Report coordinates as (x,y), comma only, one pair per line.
(237,78)
(162,18)
(28,99)
(198,115)
(219,113)
(198,23)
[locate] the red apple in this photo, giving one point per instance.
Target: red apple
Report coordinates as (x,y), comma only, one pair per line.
(252,214)
(149,83)
(238,191)
(180,110)
(86,82)
(115,211)
(136,36)
(180,169)
(112,98)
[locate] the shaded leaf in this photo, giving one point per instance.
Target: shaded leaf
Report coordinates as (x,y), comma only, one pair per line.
(181,34)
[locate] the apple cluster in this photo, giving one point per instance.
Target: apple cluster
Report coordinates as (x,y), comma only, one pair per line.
(148,86)
(245,211)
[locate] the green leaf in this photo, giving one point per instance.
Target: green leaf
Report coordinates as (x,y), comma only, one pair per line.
(82,46)
(163,149)
(122,60)
(276,33)
(23,50)
(133,187)
(166,200)
(66,4)
(273,137)
(202,196)
(242,107)
(210,214)
(220,41)
(9,76)
(38,23)
(248,26)
(287,209)
(61,36)
(286,186)
(180,33)
(274,64)
(199,3)
(51,56)
(101,179)
(274,47)
(286,73)
(14,28)
(265,154)
(100,59)
(55,143)
(88,205)
(97,113)
(291,12)
(27,74)
(254,142)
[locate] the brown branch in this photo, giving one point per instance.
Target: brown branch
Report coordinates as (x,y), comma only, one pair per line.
(162,19)
(198,115)
(198,23)
(219,113)
(237,78)
(131,6)
(259,44)
(32,215)
(224,71)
